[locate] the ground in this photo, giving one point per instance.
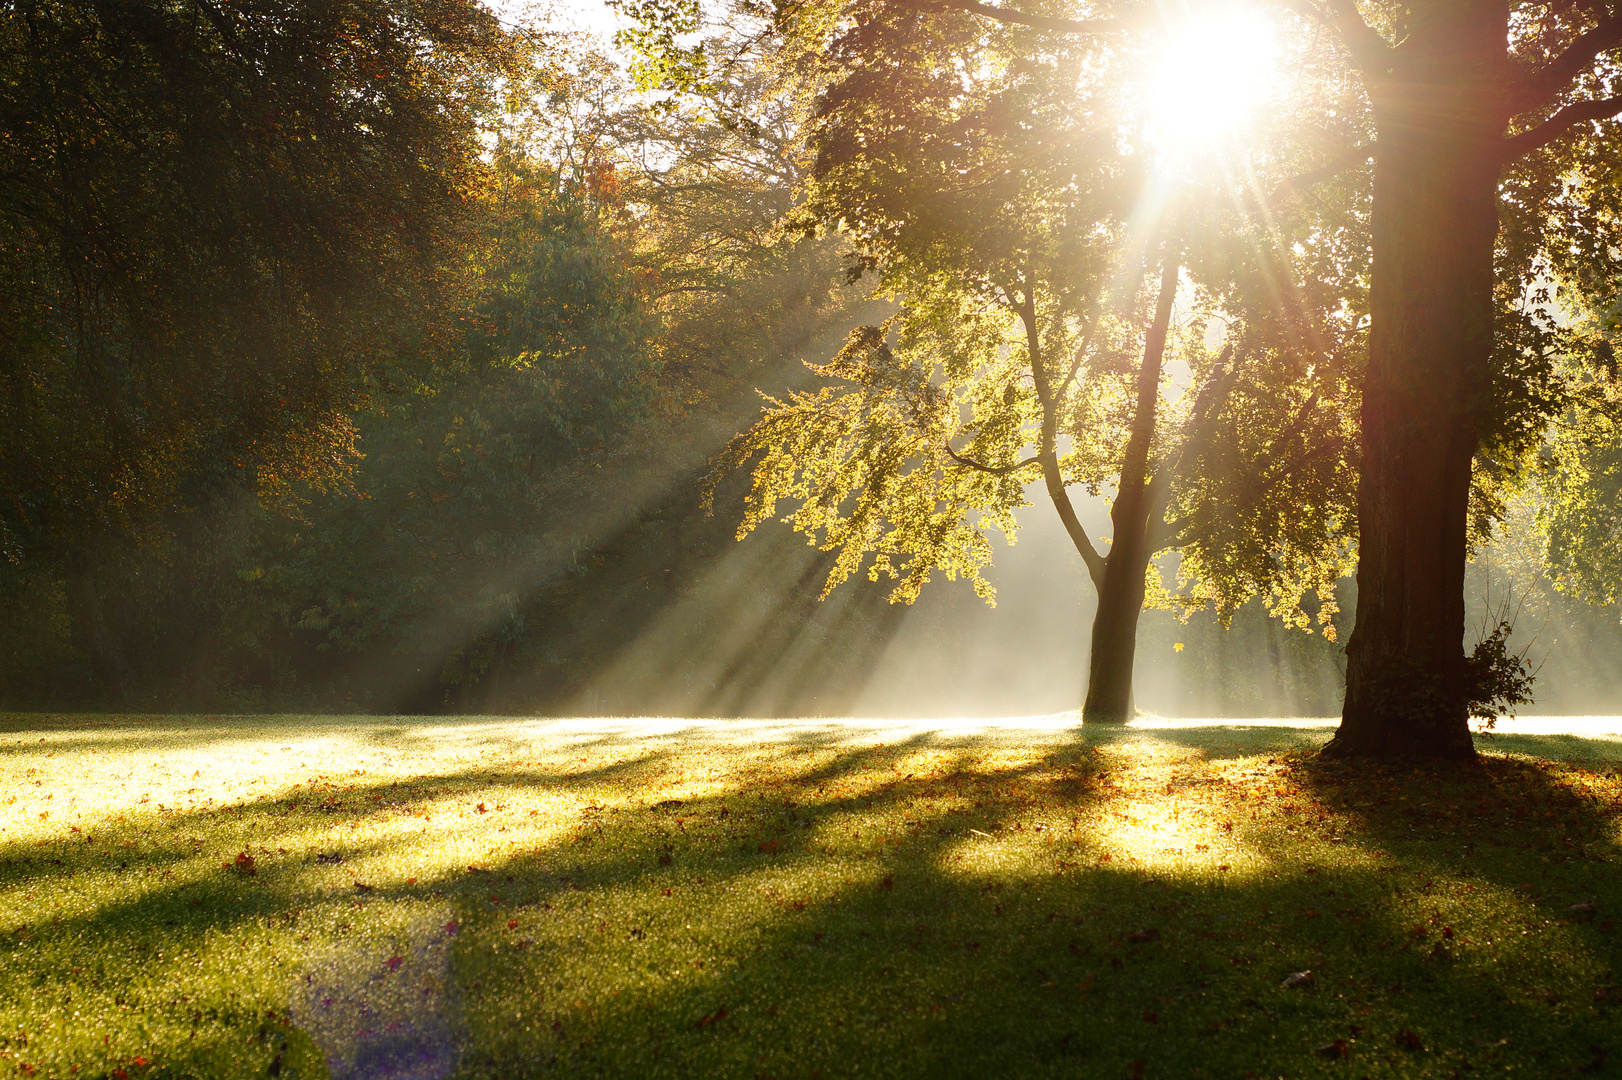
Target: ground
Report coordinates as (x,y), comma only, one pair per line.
(368,897)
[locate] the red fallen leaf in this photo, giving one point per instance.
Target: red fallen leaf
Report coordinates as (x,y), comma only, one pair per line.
(450,928)
(769,847)
(480,808)
(118,1074)
(1151,1017)
(1409,1041)
(1447,932)
(1136,1069)
(140,1062)
(1337,1049)
(1309,913)
(714,1018)
(1143,936)
(243,864)
(1224,866)
(393,963)
(362,887)
(512,924)
(887,883)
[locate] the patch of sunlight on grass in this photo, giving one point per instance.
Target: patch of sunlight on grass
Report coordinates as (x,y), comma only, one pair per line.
(207,897)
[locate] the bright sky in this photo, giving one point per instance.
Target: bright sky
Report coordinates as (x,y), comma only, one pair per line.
(593,16)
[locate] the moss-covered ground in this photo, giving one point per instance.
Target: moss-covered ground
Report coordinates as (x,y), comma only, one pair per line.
(217,897)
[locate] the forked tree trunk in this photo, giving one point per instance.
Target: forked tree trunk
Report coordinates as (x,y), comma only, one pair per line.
(1121,585)
(1435,220)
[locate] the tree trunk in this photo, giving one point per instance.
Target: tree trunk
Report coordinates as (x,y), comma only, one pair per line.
(1115,632)
(1435,220)
(1120,592)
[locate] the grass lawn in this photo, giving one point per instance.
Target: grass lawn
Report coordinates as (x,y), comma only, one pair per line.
(219,897)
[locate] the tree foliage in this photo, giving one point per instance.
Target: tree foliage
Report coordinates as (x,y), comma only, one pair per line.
(1001,207)
(217,219)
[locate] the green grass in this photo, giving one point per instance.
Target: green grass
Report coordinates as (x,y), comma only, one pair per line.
(795,901)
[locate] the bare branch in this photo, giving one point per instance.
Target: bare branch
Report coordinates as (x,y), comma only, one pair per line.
(1557,125)
(1542,86)
(995,470)
(1017,18)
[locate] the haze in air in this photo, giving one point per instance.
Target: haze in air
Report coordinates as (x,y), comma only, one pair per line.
(830,538)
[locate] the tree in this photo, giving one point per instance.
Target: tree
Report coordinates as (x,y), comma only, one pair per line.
(217,222)
(1471,107)
(993,199)
(523,504)
(469,493)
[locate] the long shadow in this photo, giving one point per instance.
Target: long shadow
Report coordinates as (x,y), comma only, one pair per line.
(744,932)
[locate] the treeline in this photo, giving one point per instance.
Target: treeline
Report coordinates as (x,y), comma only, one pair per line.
(377,356)
(369,355)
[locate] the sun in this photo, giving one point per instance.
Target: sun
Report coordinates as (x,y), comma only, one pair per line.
(1212,77)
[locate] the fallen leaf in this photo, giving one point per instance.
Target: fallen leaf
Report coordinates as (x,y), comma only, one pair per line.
(1337,1049)
(714,1018)
(1296,979)
(1409,1041)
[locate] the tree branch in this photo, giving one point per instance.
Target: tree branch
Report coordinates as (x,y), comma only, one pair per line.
(1349,157)
(1017,18)
(1545,84)
(995,470)
(1207,404)
(1047,450)
(1368,50)
(1551,129)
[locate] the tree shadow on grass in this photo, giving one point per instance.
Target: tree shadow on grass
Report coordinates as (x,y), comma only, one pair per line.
(928,907)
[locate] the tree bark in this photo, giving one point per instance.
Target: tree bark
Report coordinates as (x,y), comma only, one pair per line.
(1439,115)
(1120,591)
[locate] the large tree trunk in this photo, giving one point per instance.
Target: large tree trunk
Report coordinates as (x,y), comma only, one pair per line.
(1435,220)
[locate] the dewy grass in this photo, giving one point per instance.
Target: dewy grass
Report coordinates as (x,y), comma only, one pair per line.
(235,898)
